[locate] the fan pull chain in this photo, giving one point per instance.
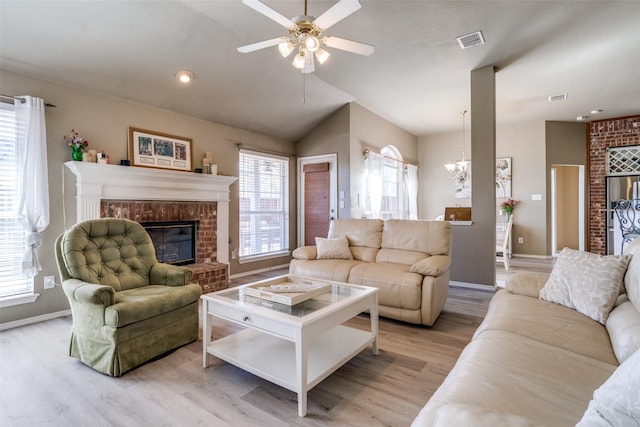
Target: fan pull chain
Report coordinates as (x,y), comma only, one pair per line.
(304,89)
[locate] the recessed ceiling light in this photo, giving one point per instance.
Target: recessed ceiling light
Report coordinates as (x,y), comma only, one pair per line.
(184,76)
(596,111)
(582,118)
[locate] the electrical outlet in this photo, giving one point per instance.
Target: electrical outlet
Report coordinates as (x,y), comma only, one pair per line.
(234,254)
(521,240)
(49,282)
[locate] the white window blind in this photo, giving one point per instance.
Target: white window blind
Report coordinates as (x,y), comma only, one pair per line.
(264,204)
(12,235)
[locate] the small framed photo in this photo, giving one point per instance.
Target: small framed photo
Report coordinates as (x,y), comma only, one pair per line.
(159,150)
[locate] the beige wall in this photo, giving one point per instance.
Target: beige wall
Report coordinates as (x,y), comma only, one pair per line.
(368,130)
(524,143)
(348,132)
(104,122)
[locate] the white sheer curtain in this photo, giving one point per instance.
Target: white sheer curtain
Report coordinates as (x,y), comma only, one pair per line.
(373,166)
(411,182)
(33,185)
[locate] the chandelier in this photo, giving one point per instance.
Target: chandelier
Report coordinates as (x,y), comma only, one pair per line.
(459,170)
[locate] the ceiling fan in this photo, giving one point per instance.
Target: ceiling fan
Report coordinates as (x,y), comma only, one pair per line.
(306,34)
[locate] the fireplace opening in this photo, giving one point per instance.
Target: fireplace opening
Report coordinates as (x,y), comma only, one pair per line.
(175,241)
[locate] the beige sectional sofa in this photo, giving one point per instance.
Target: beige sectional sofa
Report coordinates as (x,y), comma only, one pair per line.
(533,362)
(407,260)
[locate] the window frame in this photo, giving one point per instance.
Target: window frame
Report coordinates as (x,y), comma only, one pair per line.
(22,287)
(263,211)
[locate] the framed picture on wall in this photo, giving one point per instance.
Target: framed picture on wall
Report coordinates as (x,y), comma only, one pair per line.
(159,150)
(503,177)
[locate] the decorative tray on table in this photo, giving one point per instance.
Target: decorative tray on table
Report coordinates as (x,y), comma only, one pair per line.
(289,290)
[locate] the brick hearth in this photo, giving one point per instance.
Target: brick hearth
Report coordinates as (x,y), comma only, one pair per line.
(208,273)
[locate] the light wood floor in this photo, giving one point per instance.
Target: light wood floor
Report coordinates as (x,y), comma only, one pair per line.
(40,385)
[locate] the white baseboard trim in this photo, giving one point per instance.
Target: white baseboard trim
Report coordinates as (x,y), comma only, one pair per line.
(261,270)
(476,286)
(35,319)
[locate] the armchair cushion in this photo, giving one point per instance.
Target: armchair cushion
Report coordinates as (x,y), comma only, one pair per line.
(138,304)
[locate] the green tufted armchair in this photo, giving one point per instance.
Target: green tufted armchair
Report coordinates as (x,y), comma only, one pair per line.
(127,307)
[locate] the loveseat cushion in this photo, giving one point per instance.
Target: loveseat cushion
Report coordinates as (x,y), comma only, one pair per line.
(512,374)
(398,286)
(632,277)
(430,237)
(432,266)
(134,305)
(548,323)
(364,235)
(469,415)
(400,256)
(323,269)
(336,248)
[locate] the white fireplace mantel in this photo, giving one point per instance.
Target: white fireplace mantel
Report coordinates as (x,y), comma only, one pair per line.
(96,182)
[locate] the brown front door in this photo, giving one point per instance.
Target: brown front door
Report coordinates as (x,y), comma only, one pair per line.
(316,202)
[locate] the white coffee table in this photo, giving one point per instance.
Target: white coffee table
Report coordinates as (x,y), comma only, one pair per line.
(294,347)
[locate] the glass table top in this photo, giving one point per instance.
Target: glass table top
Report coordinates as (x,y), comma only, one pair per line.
(337,293)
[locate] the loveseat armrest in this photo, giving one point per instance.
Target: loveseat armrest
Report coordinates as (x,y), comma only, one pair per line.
(526,283)
(305,252)
(88,293)
(435,265)
(169,275)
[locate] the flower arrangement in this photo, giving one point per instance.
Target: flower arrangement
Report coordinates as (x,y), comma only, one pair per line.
(75,141)
(508,206)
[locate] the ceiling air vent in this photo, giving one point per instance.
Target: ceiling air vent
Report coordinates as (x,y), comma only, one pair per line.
(560,97)
(471,40)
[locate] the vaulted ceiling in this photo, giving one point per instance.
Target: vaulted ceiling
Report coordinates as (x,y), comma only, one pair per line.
(418,77)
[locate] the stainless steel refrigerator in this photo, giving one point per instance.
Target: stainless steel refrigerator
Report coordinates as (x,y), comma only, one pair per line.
(623,183)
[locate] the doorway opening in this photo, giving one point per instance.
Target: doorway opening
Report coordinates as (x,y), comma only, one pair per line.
(567,208)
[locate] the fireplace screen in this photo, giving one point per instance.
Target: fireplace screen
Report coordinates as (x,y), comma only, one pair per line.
(175,242)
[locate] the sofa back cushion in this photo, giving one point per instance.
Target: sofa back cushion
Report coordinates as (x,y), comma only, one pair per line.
(364,235)
(429,237)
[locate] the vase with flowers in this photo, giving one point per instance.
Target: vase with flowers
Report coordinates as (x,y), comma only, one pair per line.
(508,206)
(77,144)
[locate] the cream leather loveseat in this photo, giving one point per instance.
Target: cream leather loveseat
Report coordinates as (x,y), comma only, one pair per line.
(538,363)
(407,260)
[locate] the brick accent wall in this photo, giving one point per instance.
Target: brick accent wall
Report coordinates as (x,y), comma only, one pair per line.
(603,134)
(208,273)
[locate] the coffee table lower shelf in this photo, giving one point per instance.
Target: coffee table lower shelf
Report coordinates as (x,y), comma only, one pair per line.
(274,359)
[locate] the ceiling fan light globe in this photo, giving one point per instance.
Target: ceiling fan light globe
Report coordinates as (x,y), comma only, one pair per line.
(312,44)
(298,61)
(285,48)
(322,56)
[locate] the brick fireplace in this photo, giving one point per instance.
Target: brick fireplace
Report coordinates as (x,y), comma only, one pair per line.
(156,195)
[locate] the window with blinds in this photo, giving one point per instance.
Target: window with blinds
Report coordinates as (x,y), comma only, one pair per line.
(264,205)
(12,234)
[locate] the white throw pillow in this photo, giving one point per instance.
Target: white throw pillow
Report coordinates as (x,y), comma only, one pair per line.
(617,401)
(337,248)
(587,282)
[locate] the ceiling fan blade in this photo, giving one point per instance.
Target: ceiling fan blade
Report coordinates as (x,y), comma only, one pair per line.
(258,6)
(336,13)
(260,45)
(349,45)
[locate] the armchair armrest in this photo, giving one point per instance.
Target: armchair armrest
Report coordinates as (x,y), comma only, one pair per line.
(170,275)
(305,252)
(89,293)
(526,283)
(434,265)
